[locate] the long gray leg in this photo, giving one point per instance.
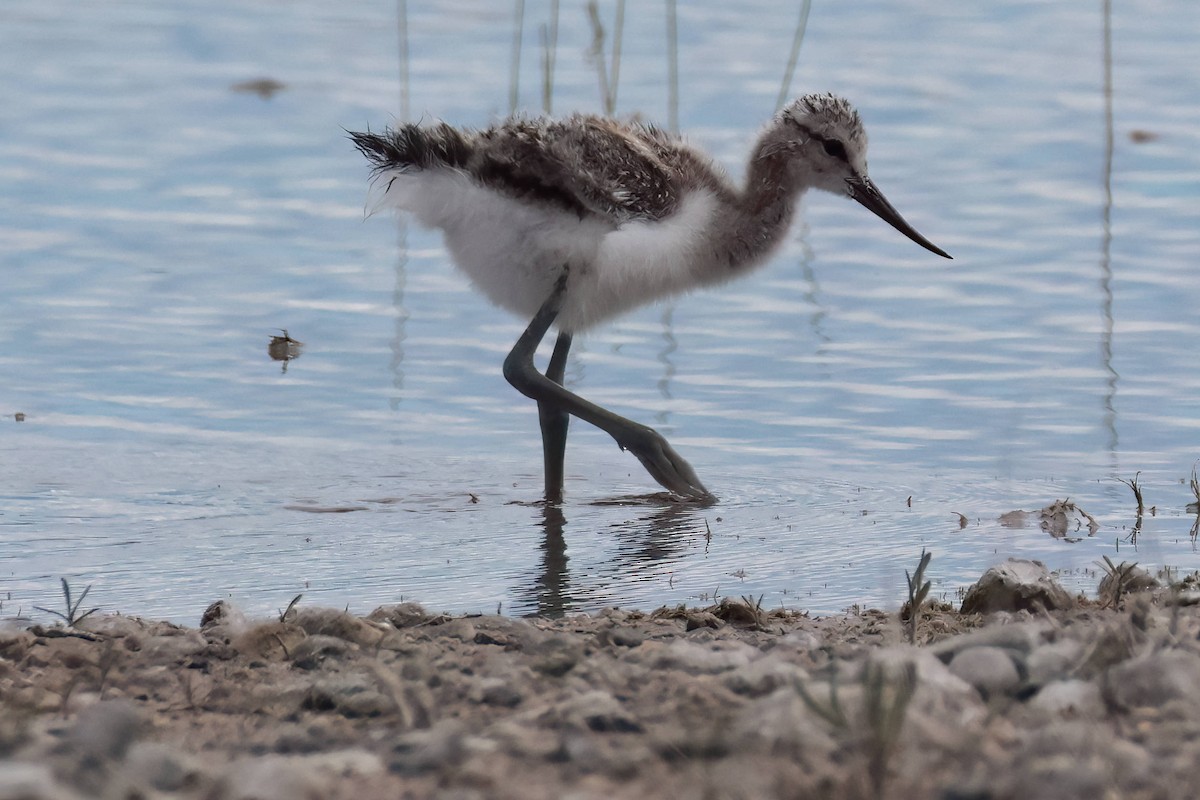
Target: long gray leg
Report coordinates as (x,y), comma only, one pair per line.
(657,456)
(554,421)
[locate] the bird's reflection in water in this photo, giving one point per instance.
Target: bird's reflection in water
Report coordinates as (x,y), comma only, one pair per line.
(552,588)
(660,535)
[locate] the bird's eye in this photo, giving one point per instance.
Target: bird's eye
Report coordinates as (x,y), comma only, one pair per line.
(835,148)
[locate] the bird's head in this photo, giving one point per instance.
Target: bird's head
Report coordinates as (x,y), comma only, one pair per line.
(826,148)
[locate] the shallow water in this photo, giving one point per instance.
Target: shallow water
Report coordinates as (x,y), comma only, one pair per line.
(158,227)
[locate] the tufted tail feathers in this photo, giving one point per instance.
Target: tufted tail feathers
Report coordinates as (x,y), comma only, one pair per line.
(411,147)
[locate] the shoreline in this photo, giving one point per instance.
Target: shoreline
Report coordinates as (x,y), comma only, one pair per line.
(1090,699)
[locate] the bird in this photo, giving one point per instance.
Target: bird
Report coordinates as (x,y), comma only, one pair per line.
(569,222)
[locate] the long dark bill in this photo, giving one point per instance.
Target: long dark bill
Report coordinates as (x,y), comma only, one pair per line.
(865,192)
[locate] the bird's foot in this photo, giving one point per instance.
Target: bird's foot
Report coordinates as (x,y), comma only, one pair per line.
(664,464)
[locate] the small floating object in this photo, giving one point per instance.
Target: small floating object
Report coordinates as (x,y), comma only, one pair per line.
(265,88)
(325,509)
(284,348)
(19,416)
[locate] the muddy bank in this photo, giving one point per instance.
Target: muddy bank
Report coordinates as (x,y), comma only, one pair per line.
(1090,700)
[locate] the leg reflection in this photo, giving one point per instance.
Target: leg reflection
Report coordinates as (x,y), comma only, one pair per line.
(553,586)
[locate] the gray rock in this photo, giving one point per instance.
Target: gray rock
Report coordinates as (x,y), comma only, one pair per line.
(696,620)
(313,650)
(1022,637)
(20,781)
(1156,679)
(496,692)
(596,711)
(271,778)
(763,676)
(1016,585)
(989,669)
(697,659)
(440,747)
(349,695)
(556,656)
(802,641)
(1075,759)
(104,731)
(1053,661)
(1069,699)
(620,636)
(941,699)
(782,724)
(154,765)
(508,632)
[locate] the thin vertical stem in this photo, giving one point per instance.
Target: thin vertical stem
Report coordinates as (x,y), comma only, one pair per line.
(549,57)
(514,77)
(785,88)
(672,68)
(402,32)
(597,51)
(615,72)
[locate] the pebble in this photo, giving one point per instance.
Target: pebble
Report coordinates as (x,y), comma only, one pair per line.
(694,658)
(1069,699)
(1053,661)
(989,669)
(104,731)
(1156,679)
(312,651)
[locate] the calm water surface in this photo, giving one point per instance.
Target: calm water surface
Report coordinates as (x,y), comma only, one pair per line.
(847,403)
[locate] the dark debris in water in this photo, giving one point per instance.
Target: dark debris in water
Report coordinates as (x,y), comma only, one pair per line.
(284,348)
(265,88)
(325,509)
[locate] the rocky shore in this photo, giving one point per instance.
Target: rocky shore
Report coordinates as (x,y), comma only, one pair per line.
(1024,693)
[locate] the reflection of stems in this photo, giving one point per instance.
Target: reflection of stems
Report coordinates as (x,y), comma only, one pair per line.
(1195,507)
(670,345)
(402,30)
(1141,505)
(397,360)
(1106,339)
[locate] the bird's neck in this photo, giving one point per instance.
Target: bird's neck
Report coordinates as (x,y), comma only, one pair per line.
(759,215)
